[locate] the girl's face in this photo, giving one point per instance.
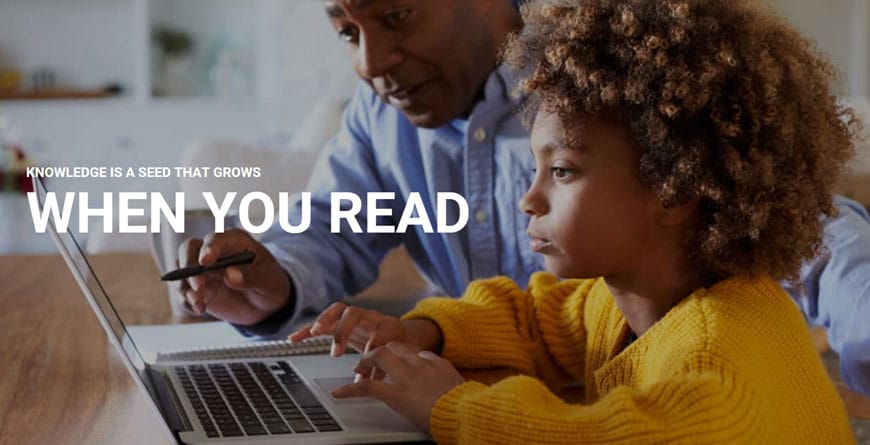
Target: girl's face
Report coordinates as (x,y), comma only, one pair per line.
(590,217)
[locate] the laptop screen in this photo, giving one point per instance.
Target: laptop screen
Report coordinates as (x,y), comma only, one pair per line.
(75,258)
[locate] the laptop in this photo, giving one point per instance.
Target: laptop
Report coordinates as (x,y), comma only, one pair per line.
(264,400)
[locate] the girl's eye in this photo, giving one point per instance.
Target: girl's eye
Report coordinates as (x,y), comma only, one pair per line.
(397,17)
(348,34)
(562,173)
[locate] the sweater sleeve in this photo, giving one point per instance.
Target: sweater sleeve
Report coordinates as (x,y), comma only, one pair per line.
(695,408)
(497,324)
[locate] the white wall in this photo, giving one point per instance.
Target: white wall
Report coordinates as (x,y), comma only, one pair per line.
(298,60)
(74,40)
(840,28)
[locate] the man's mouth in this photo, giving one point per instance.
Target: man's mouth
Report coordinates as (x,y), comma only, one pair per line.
(405,96)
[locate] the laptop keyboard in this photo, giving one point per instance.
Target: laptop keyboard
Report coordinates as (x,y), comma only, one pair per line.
(230,400)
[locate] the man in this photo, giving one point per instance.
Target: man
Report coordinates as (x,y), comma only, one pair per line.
(436,113)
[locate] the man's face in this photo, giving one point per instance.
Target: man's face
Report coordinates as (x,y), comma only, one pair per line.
(428,58)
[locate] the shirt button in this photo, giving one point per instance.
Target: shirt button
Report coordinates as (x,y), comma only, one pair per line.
(480,216)
(479,135)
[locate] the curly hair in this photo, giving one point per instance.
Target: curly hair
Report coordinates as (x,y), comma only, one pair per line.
(727,104)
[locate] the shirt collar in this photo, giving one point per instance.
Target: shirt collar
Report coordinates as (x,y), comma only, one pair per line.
(501,90)
(500,94)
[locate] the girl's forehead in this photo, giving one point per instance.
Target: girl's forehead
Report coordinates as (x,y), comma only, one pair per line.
(550,128)
(547,129)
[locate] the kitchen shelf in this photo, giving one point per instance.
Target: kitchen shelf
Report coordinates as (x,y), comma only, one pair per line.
(89,43)
(56,94)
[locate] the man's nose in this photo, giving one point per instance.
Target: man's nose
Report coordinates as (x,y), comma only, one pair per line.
(376,56)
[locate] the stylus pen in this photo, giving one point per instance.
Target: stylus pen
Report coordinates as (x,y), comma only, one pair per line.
(227,261)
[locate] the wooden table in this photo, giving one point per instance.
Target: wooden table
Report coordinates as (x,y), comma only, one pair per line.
(60,379)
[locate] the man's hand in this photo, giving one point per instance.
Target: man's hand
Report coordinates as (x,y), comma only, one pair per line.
(242,295)
(417,381)
(364,330)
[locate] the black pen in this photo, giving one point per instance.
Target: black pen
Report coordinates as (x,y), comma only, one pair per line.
(227,261)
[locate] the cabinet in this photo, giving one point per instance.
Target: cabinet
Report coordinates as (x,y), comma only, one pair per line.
(256,67)
(290,58)
(77,48)
(238,52)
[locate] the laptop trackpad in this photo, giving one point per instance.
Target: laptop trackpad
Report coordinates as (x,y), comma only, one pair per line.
(328,384)
(364,413)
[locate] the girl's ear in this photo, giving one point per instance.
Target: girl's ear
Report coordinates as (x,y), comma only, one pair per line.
(676,215)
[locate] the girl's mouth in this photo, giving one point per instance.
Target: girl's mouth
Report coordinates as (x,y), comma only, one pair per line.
(539,245)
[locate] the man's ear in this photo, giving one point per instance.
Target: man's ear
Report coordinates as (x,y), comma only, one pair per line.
(677,214)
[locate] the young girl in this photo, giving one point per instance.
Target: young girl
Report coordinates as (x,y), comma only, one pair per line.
(686,151)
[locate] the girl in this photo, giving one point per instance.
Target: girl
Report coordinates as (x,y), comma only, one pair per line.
(686,150)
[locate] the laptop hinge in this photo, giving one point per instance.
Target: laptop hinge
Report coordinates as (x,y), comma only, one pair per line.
(169,401)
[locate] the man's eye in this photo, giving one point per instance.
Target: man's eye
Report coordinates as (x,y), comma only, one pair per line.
(348,34)
(562,172)
(397,17)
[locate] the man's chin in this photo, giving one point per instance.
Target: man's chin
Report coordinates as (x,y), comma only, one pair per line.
(426,119)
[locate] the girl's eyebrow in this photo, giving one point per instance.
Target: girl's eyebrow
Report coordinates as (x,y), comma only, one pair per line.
(547,149)
(555,147)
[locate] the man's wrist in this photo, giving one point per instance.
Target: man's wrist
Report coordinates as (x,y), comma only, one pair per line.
(274,322)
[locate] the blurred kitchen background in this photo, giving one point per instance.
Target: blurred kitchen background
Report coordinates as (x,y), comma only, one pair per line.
(207,82)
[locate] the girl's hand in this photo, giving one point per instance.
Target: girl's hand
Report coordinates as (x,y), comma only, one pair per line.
(416,381)
(364,330)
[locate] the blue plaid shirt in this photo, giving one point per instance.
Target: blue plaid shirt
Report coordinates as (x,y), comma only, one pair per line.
(485,158)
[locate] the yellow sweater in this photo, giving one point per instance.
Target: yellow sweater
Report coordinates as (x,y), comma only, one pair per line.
(730,364)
